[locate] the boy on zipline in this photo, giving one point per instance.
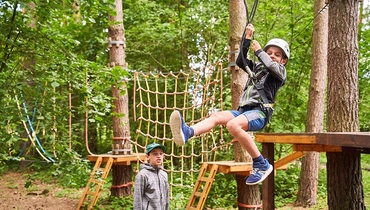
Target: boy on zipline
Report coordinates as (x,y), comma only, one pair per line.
(255,106)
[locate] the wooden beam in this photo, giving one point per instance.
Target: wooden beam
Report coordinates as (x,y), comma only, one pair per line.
(344,139)
(280,164)
(352,149)
(341,139)
(286,138)
(316,148)
(268,186)
(119,159)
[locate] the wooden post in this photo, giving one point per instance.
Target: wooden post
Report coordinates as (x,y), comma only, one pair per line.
(268,185)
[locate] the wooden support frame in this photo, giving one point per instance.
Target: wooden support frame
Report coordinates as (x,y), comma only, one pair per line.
(109,160)
(302,142)
(268,186)
(232,167)
(282,163)
(202,186)
(316,148)
(119,159)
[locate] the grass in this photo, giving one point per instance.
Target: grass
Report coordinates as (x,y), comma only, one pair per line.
(365,165)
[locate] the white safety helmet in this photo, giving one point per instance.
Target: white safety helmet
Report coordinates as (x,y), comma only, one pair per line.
(283,45)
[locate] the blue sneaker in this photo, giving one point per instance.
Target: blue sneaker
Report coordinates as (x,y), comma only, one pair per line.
(259,173)
(180,131)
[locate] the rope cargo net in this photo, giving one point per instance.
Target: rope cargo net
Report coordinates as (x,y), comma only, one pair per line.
(196,94)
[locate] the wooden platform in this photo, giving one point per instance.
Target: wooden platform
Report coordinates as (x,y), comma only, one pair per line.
(119,159)
(324,141)
(232,167)
(304,142)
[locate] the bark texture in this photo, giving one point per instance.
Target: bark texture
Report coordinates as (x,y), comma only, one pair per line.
(345,190)
(247,195)
(121,180)
(307,193)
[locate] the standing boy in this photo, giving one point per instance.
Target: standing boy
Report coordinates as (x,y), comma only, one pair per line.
(151,189)
(255,106)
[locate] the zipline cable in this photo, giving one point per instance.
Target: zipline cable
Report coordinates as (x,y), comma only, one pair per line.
(253,11)
(317,14)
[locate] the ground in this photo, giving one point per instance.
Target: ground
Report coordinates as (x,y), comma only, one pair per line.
(39,196)
(43,196)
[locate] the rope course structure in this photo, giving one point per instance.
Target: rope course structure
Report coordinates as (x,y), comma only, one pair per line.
(196,94)
(31,132)
(35,137)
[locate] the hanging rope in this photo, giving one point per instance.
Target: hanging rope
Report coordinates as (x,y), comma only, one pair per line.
(253,11)
(31,136)
(249,21)
(32,121)
(33,132)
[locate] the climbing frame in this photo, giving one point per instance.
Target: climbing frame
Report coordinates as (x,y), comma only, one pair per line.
(99,174)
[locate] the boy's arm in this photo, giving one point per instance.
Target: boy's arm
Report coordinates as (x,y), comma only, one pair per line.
(276,69)
(138,192)
(239,59)
(242,61)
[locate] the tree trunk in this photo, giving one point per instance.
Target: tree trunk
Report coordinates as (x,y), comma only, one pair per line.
(248,195)
(345,190)
(307,193)
(121,132)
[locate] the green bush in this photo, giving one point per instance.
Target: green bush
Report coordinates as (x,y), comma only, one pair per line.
(286,185)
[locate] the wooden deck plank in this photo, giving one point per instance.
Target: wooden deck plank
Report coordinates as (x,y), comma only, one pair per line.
(341,139)
(285,138)
(118,159)
(345,139)
(232,167)
(316,148)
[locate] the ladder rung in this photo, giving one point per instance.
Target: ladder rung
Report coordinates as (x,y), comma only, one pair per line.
(97,181)
(89,192)
(204,179)
(206,182)
(198,194)
(101,173)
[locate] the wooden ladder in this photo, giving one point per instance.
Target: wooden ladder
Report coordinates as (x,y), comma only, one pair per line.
(96,182)
(202,187)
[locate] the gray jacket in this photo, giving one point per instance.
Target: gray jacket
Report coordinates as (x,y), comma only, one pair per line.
(271,83)
(151,189)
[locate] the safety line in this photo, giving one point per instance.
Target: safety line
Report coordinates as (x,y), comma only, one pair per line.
(28,132)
